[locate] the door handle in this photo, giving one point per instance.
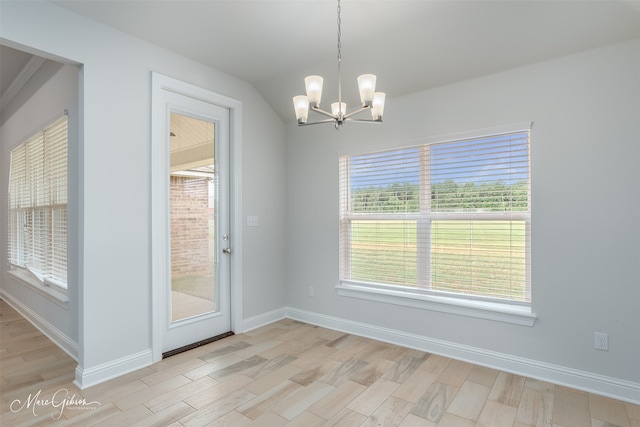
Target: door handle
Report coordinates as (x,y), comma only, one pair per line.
(226,251)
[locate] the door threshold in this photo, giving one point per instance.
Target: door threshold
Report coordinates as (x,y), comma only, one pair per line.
(196,344)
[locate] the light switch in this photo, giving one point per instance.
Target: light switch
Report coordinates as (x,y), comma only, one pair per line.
(252,221)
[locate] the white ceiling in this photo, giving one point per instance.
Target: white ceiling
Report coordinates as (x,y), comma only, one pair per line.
(410,45)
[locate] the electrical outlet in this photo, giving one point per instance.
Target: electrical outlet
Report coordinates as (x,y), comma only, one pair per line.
(312,291)
(601,341)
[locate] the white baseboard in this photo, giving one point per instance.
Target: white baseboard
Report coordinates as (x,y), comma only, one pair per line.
(87,377)
(263,319)
(581,380)
(98,374)
(60,339)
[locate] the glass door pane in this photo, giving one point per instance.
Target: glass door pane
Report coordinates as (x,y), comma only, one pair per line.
(192,212)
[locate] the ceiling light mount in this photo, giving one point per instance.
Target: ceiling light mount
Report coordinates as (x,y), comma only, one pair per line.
(370,99)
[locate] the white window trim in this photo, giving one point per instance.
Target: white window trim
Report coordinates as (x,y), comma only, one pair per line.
(465,305)
(48,290)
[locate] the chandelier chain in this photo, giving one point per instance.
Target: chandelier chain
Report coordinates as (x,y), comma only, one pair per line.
(339,64)
(339,34)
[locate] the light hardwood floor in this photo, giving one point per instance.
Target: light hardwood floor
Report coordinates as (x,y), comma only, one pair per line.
(286,374)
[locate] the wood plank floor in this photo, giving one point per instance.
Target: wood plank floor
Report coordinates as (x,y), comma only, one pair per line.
(286,374)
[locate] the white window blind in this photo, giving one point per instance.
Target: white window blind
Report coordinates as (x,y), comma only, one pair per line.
(450,217)
(38,205)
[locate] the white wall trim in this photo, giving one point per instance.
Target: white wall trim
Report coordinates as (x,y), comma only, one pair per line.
(98,374)
(40,323)
(586,381)
(260,320)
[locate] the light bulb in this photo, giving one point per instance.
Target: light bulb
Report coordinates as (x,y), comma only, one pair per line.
(367,87)
(339,107)
(313,85)
(377,108)
(301,107)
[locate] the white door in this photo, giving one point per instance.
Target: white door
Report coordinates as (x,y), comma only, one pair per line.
(195,296)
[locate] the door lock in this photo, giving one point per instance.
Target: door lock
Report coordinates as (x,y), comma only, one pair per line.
(226,250)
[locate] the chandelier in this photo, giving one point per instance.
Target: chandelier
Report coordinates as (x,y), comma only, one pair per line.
(370,99)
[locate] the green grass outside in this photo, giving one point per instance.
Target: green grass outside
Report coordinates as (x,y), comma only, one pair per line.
(466,257)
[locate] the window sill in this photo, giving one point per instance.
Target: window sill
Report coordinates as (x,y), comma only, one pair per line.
(499,312)
(50,292)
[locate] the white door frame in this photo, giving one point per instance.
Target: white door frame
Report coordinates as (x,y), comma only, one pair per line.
(159,214)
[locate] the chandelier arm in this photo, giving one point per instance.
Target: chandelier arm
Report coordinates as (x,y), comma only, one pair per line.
(316,123)
(356,112)
(364,120)
(326,113)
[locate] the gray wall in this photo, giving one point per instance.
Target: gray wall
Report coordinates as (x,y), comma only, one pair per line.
(585,153)
(114,188)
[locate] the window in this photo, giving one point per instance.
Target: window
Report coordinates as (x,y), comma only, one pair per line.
(450,219)
(38,206)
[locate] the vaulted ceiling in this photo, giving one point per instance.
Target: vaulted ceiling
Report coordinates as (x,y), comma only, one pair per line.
(410,45)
